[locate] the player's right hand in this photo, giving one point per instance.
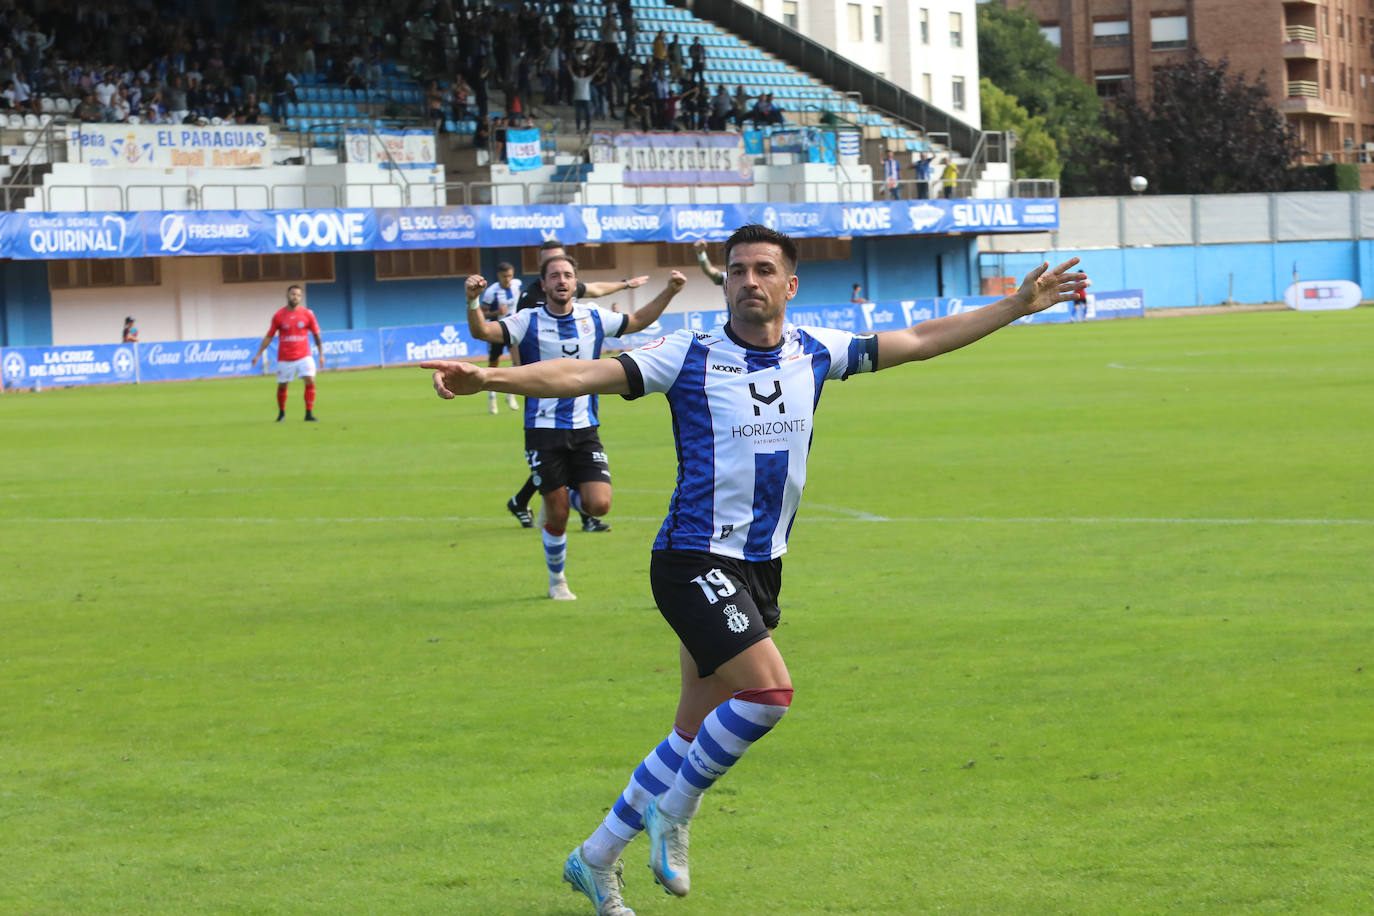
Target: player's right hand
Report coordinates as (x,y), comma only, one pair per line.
(453,377)
(699,244)
(475,284)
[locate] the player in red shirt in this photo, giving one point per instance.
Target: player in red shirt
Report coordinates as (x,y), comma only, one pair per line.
(294,325)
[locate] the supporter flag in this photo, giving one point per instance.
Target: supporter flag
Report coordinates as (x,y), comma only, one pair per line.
(522,150)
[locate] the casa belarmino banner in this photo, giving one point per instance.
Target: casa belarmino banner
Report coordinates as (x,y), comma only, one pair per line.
(26,235)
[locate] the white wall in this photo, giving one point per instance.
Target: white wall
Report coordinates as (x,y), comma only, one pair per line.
(192,302)
(900,56)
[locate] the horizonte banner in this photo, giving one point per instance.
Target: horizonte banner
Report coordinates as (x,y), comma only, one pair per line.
(363,348)
(149,146)
(26,235)
(676,158)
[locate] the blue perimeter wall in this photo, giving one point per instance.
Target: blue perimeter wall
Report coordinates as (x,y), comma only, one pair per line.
(888,268)
(1186,275)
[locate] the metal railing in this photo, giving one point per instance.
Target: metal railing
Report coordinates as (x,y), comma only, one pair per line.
(1308,89)
(1300,33)
(831,68)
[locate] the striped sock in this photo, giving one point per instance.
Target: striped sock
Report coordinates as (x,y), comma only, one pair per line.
(555,552)
(726,733)
(625,820)
(575,500)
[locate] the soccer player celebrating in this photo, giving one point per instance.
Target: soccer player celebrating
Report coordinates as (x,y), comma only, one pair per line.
(295,325)
(567,460)
(497,302)
(742,403)
(533,297)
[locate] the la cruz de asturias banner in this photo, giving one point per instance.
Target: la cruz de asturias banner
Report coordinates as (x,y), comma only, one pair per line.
(33,367)
(165,146)
(153,233)
(61,367)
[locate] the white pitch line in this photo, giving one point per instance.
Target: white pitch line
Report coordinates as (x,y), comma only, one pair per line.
(855,517)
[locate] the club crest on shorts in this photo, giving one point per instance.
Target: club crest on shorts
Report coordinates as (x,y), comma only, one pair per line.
(735,619)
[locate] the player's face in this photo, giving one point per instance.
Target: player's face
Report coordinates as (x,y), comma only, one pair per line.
(758,283)
(504,278)
(295,296)
(560,283)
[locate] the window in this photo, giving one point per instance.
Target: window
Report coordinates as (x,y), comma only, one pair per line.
(1111,85)
(87,273)
(1326,22)
(267,268)
(927,87)
(1168,32)
(1112,32)
(878,23)
(856,21)
(1052,35)
(925,27)
(427,262)
(956,30)
(789,14)
(1342,77)
(1326,75)
(1340,24)
(957,93)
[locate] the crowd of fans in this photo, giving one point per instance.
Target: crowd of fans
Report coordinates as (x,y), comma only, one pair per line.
(127,60)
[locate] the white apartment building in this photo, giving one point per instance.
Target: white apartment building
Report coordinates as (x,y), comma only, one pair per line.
(928,47)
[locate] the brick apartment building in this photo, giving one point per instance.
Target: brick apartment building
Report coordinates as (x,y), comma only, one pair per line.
(1317,58)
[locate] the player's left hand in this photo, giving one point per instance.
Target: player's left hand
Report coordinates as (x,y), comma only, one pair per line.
(676,280)
(1043,287)
(637,282)
(453,377)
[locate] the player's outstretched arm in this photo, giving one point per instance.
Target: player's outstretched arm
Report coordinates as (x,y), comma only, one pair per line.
(478,326)
(554,378)
(648,314)
(271,332)
(1040,289)
(706,266)
(606,288)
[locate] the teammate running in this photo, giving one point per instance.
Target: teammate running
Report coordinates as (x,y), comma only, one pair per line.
(497,302)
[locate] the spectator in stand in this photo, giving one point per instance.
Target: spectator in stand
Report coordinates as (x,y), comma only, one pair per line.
(923,176)
(675,60)
(722,107)
(283,91)
(892,175)
(481,137)
(742,106)
(498,140)
(610,33)
(641,105)
(89,111)
(581,73)
(458,98)
(697,53)
(663,96)
(765,112)
(434,105)
(660,50)
(949,177)
(130,333)
(249,112)
(625,9)
(856,295)
(175,97)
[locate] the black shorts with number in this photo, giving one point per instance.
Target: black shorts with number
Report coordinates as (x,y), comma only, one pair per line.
(718,606)
(565,457)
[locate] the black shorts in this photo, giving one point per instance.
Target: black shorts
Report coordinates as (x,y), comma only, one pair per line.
(494,350)
(718,606)
(565,457)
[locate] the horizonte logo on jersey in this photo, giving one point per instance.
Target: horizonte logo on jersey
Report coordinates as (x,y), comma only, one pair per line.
(321,229)
(764,430)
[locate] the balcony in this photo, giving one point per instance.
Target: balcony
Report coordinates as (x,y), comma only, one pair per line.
(1300,43)
(1305,97)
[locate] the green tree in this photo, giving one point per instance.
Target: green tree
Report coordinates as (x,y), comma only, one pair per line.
(1204,131)
(1017,59)
(1037,155)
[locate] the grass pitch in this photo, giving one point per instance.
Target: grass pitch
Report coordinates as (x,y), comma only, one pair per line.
(1079,620)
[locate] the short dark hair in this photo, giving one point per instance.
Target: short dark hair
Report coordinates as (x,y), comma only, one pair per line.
(544,268)
(756,233)
(295,286)
(550,244)
(505,265)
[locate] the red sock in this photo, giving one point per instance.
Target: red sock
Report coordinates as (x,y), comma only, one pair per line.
(309,396)
(281,397)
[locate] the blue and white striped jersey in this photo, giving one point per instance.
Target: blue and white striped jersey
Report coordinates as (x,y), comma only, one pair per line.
(742,426)
(494,297)
(539,334)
